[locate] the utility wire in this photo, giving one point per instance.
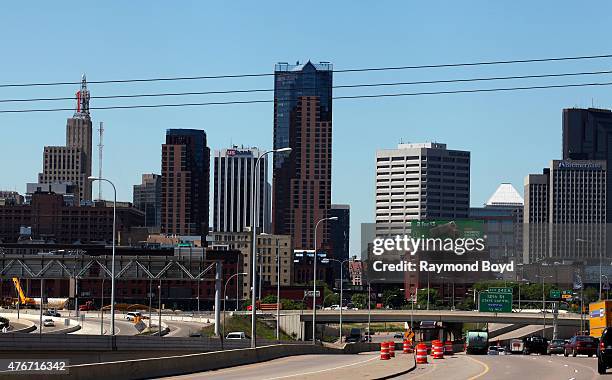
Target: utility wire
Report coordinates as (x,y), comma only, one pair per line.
(384,84)
(501,89)
(227,76)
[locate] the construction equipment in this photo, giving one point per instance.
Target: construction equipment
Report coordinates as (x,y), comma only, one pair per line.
(23,300)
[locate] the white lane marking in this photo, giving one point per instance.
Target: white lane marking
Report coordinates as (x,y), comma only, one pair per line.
(323,370)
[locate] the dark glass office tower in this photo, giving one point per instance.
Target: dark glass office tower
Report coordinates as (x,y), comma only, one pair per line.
(339,237)
(302,179)
(587,135)
(185,182)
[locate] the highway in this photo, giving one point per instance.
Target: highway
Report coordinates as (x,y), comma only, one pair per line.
(507,367)
(294,367)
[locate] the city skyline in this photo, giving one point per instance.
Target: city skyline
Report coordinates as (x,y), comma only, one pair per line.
(466,123)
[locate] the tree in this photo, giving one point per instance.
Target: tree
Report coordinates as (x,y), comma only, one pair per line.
(434,299)
(270,298)
(394,298)
(360,300)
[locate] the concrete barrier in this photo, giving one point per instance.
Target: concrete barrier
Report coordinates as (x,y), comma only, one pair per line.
(30,326)
(183,364)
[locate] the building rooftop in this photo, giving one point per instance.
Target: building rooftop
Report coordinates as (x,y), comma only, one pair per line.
(505,195)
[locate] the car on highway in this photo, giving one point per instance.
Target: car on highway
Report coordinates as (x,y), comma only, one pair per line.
(604,351)
(535,344)
(556,346)
(236,335)
(581,345)
(354,336)
(493,350)
(48,322)
(503,351)
(131,315)
(52,313)
(398,335)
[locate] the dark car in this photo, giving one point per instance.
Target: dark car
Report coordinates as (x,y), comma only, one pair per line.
(604,351)
(354,336)
(581,345)
(535,345)
(556,346)
(398,335)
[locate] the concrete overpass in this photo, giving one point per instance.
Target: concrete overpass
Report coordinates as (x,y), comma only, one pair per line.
(300,323)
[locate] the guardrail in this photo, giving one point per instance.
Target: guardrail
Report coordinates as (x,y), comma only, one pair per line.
(98,343)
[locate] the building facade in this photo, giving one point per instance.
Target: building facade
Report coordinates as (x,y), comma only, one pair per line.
(502,215)
(48,218)
(302,178)
(72,162)
(340,235)
(233,187)
(9,198)
(420,181)
(147,198)
(185,183)
(565,212)
(270,248)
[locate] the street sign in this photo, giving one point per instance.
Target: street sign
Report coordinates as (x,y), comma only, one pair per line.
(500,290)
(308,293)
(555,294)
(140,325)
(566,296)
(567,292)
(495,302)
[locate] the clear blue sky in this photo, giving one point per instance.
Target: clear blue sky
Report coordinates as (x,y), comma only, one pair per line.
(509,134)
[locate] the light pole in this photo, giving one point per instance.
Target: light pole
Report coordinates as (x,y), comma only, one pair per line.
(254,245)
(199,283)
(607,284)
(224,296)
(543,304)
(278,304)
(369,311)
(600,265)
(341,289)
(314,279)
(113,252)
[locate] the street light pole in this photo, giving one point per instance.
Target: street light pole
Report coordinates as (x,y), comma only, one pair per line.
(369,311)
(341,289)
(543,304)
(314,279)
(225,296)
(113,251)
(254,245)
(278,304)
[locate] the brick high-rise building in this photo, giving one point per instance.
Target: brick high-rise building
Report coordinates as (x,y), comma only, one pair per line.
(302,179)
(185,182)
(72,163)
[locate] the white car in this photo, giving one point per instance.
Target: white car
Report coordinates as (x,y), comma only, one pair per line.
(48,322)
(239,335)
(130,316)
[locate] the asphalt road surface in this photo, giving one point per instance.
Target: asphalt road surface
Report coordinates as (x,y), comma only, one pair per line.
(294,367)
(508,367)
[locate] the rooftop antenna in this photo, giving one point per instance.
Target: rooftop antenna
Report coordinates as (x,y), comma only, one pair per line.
(100,148)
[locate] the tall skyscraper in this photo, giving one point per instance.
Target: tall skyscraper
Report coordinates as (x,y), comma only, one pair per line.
(302,179)
(72,163)
(147,198)
(418,182)
(586,136)
(565,212)
(185,182)
(233,184)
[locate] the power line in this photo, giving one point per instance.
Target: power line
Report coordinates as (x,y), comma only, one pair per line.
(500,89)
(228,76)
(384,84)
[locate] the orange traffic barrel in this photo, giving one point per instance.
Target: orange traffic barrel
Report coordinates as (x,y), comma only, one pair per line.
(407,347)
(421,353)
(448,348)
(392,349)
(437,349)
(384,351)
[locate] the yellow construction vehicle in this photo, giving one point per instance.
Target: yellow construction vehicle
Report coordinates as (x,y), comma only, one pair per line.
(23,300)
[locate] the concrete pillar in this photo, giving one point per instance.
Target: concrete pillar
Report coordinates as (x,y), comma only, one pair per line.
(218,275)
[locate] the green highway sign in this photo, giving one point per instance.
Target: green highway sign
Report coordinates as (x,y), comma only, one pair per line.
(499,302)
(500,290)
(568,292)
(555,294)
